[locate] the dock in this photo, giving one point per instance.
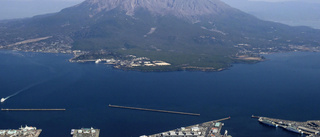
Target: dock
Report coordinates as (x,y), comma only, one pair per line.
(207,129)
(154,110)
(2,109)
(85,132)
(21,132)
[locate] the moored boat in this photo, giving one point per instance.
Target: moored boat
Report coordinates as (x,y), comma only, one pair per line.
(267,122)
(72,131)
(293,129)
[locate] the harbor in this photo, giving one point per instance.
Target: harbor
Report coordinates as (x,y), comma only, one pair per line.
(154,110)
(207,129)
(2,109)
(26,131)
(310,128)
(29,131)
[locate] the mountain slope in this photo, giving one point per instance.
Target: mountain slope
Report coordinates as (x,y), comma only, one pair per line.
(192,34)
(179,8)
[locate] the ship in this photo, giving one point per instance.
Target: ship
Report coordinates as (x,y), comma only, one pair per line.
(267,122)
(2,100)
(293,129)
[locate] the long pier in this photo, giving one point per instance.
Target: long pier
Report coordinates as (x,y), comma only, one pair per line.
(33,109)
(154,110)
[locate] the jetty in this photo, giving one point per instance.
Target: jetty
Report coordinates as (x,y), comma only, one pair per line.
(223,119)
(2,109)
(154,110)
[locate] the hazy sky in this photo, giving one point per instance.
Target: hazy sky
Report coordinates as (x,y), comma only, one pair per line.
(10,9)
(274,0)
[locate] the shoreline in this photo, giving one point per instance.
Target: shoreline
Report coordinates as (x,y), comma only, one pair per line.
(169,68)
(244,59)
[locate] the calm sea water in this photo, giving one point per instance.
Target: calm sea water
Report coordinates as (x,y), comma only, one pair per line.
(286,86)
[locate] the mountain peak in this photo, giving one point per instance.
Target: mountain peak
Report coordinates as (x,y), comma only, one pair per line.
(180,8)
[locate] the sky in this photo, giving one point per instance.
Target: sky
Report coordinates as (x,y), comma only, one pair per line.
(316,1)
(293,13)
(11,9)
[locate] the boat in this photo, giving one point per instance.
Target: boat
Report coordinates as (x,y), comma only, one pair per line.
(2,100)
(267,122)
(293,129)
(72,131)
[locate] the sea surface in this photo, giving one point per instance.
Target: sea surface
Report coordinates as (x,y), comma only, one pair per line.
(285,86)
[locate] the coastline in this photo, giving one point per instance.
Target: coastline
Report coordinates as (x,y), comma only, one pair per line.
(243,59)
(118,63)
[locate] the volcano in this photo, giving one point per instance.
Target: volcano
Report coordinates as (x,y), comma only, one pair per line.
(203,35)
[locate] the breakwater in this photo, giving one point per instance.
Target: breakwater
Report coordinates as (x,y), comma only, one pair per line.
(33,109)
(154,110)
(222,119)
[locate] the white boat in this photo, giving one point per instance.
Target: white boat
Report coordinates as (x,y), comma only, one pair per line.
(2,100)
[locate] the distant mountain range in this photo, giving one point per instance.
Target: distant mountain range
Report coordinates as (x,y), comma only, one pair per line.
(203,35)
(296,13)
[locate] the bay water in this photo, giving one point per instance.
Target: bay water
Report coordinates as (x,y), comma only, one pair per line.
(286,86)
